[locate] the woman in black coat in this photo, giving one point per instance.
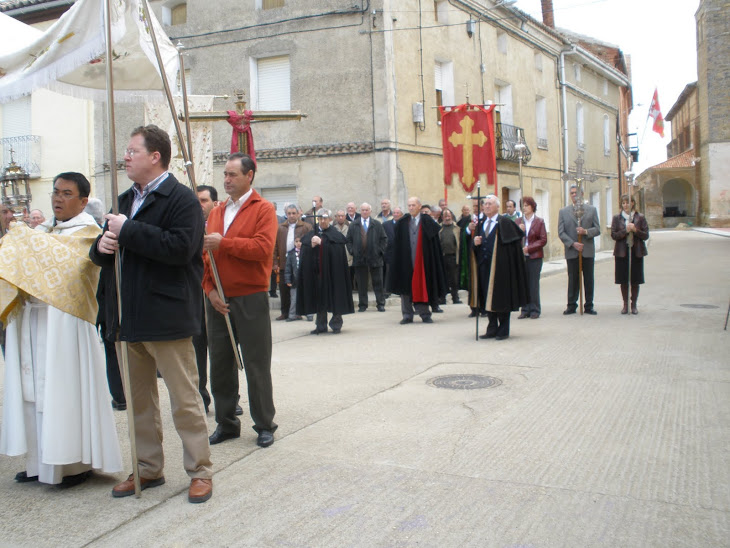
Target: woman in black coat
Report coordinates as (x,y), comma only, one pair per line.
(630,230)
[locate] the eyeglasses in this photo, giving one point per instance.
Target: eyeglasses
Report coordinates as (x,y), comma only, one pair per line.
(131,152)
(65,195)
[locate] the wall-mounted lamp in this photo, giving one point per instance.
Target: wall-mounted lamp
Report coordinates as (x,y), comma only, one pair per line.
(471,26)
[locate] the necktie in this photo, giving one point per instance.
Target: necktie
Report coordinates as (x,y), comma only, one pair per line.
(365,225)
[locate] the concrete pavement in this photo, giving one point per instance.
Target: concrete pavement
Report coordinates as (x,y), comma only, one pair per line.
(593,431)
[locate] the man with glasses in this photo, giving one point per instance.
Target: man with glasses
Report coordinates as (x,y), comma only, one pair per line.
(158,233)
(55,407)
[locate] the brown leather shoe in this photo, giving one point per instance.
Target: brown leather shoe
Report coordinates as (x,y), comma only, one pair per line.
(282,317)
(126,488)
(201,489)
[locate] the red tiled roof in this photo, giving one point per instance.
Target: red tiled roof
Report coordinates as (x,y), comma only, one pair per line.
(686,159)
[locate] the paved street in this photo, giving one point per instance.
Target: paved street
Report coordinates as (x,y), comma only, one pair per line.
(597,431)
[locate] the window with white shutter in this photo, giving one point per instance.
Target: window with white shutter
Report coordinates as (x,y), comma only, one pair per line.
(271,83)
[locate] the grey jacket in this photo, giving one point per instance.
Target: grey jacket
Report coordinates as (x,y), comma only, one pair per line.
(568,233)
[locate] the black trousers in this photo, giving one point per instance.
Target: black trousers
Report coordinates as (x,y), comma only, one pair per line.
(498,324)
(113,375)
(376,275)
(452,276)
(533,268)
(574,288)
(200,344)
(285,295)
(251,326)
(321,322)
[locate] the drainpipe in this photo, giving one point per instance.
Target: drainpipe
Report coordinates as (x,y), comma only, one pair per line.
(564,97)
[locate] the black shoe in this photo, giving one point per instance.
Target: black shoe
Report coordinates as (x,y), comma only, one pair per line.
(456,301)
(427,320)
(488,336)
(119,406)
(473,314)
(406,320)
(362,308)
(523,316)
(381,308)
(317,331)
(336,331)
(501,337)
(265,439)
(273,295)
(437,310)
(534,316)
(220,436)
(568,311)
(23,477)
(590,311)
(483,314)
(76,479)
(239,410)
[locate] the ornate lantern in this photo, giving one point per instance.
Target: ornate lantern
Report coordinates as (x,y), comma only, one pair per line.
(15,187)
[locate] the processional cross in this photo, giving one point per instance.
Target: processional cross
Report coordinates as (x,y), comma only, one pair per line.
(249,117)
(579,177)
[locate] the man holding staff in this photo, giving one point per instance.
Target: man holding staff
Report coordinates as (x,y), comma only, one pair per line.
(159,235)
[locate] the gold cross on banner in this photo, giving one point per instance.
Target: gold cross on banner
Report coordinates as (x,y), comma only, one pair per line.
(468,141)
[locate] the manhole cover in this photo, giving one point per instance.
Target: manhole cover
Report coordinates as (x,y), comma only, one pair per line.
(699,306)
(464,382)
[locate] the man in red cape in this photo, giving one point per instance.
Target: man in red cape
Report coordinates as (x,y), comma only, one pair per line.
(417,274)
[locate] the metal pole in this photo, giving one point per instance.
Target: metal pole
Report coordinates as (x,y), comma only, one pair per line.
(186,158)
(117,262)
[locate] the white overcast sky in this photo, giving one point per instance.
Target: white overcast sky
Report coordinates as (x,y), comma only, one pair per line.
(660,37)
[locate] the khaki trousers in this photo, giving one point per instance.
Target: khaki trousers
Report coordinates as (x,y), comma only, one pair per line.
(175,361)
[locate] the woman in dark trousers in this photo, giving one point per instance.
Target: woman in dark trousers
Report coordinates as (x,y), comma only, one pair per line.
(535,239)
(630,230)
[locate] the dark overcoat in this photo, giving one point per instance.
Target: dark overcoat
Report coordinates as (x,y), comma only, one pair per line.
(400,277)
(162,267)
(324,277)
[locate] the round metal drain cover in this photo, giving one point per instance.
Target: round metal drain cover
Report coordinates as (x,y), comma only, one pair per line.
(464,382)
(699,306)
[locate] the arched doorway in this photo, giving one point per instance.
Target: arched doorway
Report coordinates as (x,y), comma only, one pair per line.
(679,203)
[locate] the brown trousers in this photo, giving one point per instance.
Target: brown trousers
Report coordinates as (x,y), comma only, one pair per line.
(175,361)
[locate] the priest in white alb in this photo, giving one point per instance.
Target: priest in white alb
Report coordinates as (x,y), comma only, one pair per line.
(56,408)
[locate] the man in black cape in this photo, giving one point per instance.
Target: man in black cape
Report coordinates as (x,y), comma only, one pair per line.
(324,277)
(417,273)
(502,281)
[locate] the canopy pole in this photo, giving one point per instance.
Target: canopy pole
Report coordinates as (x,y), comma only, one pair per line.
(117,262)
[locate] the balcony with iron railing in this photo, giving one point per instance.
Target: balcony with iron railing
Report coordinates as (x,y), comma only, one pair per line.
(507,137)
(26,152)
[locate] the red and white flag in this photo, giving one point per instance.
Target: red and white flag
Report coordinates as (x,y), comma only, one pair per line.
(655,112)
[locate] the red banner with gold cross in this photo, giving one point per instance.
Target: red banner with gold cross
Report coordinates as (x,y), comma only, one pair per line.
(467,132)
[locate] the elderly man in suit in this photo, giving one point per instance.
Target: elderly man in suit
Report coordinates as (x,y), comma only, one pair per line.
(367,242)
(569,228)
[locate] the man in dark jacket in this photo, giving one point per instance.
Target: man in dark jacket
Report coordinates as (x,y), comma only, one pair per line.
(418,269)
(502,280)
(324,285)
(367,242)
(159,235)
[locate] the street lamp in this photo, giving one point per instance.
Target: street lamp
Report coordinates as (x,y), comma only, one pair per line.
(520,148)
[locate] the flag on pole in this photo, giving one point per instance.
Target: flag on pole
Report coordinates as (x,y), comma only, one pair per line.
(468,145)
(655,112)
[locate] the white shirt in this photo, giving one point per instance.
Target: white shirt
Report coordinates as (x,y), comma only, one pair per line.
(290,237)
(491,225)
(232,208)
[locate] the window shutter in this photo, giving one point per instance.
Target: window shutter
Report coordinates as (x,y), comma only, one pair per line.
(274,83)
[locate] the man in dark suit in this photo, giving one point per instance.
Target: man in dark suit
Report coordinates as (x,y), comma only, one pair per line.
(352,214)
(501,267)
(417,249)
(159,235)
(569,228)
(292,228)
(366,242)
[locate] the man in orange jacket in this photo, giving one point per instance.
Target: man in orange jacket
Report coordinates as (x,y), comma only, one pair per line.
(241,232)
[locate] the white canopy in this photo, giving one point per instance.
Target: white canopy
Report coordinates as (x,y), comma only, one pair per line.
(15,34)
(70,57)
